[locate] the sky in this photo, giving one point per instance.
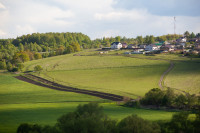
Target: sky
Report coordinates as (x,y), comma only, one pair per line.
(99,18)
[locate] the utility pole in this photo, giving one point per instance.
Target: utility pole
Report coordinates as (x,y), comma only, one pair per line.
(174,25)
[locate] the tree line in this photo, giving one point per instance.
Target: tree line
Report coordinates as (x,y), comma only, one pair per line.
(90,118)
(14,52)
(168,99)
(148,39)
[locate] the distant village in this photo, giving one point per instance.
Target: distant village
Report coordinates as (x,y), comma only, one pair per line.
(181,45)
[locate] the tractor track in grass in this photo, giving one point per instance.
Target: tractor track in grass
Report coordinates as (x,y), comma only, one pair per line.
(164,74)
(160,83)
(52,85)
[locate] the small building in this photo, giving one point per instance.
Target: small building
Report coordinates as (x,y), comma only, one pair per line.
(183,44)
(141,46)
(182,39)
(193,40)
(138,51)
(124,45)
(116,45)
(197,46)
(151,47)
(158,44)
(167,47)
(132,46)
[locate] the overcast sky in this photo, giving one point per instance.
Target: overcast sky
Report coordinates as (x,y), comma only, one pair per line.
(99,18)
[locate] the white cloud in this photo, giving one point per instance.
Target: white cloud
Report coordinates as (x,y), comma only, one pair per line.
(2,6)
(121,15)
(2,33)
(96,18)
(26,29)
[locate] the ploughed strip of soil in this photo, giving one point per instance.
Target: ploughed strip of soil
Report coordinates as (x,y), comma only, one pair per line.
(46,83)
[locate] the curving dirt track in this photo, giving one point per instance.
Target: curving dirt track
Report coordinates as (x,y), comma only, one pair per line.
(163,75)
(46,83)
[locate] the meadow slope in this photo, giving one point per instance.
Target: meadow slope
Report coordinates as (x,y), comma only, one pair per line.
(114,74)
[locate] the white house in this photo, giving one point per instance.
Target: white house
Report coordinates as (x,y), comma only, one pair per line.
(116,45)
(182,39)
(151,47)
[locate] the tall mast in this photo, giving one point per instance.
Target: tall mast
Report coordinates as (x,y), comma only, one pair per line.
(174,25)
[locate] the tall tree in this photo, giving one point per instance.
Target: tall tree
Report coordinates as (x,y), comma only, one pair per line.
(151,39)
(186,34)
(117,38)
(76,47)
(140,39)
(2,65)
(192,35)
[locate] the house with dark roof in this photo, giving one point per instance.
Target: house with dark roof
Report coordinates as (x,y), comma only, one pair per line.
(116,45)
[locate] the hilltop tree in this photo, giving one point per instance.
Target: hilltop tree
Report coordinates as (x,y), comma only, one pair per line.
(60,50)
(9,66)
(181,101)
(139,39)
(37,56)
(192,35)
(76,47)
(38,68)
(21,47)
(186,34)
(69,50)
(151,39)
(87,118)
(117,38)
(169,97)
(198,35)
(2,65)
(20,66)
(154,97)
(135,124)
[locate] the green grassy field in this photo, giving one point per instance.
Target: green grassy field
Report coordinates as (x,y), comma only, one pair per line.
(185,76)
(21,102)
(18,98)
(115,74)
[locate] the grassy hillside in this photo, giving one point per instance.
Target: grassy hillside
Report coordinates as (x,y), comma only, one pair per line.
(21,102)
(185,76)
(115,74)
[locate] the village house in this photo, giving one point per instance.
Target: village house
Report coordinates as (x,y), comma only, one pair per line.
(167,47)
(132,46)
(181,39)
(138,51)
(116,45)
(141,46)
(151,47)
(124,45)
(197,46)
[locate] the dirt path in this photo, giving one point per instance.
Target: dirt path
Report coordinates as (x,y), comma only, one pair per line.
(163,75)
(46,83)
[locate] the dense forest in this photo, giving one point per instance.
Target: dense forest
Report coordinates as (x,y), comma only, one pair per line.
(14,52)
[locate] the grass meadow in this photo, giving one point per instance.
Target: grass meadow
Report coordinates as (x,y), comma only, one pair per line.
(21,102)
(114,74)
(185,76)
